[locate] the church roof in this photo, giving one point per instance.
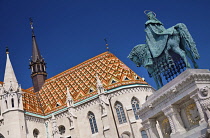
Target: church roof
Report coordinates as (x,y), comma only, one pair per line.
(81,81)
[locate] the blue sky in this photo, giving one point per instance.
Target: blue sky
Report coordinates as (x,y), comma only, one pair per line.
(69,32)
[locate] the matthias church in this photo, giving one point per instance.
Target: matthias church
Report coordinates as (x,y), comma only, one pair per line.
(102,98)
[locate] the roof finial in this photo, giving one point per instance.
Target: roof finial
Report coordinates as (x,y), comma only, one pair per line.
(31,23)
(107,45)
(7,50)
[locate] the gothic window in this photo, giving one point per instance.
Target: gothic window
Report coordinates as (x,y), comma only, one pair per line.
(18,102)
(92,121)
(146,98)
(12,101)
(58,104)
(135,107)
(1,136)
(144,134)
(125,134)
(120,113)
(6,104)
(35,133)
(61,129)
(38,66)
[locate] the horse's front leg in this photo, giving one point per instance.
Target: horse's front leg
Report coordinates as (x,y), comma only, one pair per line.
(154,76)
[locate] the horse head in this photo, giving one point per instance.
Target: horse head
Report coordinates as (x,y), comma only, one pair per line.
(137,54)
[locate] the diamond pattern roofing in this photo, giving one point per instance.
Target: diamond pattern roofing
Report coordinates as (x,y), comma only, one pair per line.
(81,81)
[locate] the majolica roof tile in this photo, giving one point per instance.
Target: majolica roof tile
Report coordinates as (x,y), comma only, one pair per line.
(81,81)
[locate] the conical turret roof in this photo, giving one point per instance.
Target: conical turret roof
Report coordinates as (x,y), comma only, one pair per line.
(35,50)
(10,80)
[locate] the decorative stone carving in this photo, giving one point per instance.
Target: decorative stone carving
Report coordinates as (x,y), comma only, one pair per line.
(55,131)
(192,114)
(69,99)
(204,99)
(200,111)
(70,105)
(165,125)
(103,102)
(103,99)
(71,119)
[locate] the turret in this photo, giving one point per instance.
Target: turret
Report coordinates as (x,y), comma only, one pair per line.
(10,91)
(37,64)
(11,103)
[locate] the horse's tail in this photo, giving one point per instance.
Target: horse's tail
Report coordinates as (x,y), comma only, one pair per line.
(184,33)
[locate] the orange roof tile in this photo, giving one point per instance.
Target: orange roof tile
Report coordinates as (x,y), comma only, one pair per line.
(81,81)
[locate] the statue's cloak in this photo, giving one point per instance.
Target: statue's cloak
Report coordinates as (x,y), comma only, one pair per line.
(157,36)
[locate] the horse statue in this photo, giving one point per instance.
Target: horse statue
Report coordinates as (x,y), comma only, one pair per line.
(166,50)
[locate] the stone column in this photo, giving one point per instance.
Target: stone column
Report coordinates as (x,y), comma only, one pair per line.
(175,120)
(150,126)
(200,111)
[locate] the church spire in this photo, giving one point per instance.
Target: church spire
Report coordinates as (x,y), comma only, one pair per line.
(10,81)
(37,64)
(35,50)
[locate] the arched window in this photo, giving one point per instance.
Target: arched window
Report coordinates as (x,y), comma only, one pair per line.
(35,133)
(92,121)
(1,136)
(135,106)
(12,101)
(61,129)
(144,134)
(125,134)
(120,113)
(6,104)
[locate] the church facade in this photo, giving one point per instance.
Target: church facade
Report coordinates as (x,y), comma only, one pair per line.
(97,98)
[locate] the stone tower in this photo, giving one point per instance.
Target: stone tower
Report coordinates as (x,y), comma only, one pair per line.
(11,104)
(37,64)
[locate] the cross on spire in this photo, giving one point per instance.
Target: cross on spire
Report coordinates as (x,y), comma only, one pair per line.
(107,45)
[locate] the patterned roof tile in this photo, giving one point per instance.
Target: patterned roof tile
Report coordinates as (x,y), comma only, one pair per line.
(81,82)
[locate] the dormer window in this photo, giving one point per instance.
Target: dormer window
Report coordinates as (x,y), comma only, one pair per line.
(113,81)
(58,104)
(126,78)
(91,90)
